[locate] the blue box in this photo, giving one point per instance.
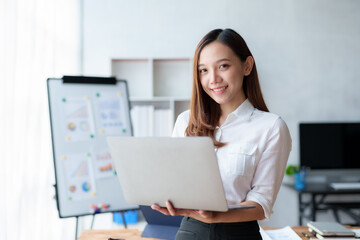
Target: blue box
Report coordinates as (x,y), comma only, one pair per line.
(131,217)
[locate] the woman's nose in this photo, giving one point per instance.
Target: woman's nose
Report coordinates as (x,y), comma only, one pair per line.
(214,77)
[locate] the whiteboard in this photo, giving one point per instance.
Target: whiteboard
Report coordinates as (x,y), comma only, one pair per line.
(83,112)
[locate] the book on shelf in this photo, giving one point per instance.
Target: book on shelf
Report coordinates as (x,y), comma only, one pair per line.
(329,229)
(149,121)
(162,123)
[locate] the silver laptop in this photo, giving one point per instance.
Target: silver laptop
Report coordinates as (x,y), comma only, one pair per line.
(152,170)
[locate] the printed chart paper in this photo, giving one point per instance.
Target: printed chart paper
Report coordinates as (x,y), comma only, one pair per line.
(78,119)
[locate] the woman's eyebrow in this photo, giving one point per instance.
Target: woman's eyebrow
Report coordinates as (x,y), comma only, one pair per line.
(220,60)
(223,59)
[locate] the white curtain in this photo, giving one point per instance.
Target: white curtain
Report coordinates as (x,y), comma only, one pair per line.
(38,39)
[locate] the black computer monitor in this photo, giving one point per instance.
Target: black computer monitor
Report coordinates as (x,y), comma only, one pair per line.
(330,145)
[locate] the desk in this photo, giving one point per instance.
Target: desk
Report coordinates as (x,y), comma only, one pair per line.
(128,234)
(133,234)
(317,202)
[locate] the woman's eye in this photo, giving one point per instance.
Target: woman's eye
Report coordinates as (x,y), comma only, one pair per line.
(222,66)
(202,70)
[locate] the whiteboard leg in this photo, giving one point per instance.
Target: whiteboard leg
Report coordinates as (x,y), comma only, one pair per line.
(92,221)
(77,224)
(123,218)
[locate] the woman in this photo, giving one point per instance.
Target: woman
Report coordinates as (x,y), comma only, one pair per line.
(252,145)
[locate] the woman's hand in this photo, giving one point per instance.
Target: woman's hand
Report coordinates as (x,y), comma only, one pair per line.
(201,215)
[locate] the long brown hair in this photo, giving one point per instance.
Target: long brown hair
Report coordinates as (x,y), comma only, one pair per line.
(204,111)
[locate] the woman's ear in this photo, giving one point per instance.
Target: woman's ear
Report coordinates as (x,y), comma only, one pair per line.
(248,65)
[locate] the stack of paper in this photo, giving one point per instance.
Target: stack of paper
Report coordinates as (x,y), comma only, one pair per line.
(285,233)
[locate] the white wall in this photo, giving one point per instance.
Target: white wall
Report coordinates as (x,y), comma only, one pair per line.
(307,52)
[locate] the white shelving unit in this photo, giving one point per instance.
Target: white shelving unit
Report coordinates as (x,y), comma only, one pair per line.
(159,90)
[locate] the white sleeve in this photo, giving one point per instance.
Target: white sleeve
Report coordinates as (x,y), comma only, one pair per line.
(181,124)
(271,168)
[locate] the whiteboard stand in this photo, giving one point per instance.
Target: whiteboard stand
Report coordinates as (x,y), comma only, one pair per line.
(77,227)
(83,112)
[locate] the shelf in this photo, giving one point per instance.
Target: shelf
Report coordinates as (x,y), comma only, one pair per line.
(159,90)
(172,77)
(135,72)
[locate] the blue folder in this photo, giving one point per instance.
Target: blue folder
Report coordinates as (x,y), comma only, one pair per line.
(160,225)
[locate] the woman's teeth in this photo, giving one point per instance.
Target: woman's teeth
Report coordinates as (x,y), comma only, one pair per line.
(218,89)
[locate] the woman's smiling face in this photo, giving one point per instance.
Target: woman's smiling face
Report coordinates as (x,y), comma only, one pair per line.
(221,74)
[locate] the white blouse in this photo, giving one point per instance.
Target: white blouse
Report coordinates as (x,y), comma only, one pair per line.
(252,164)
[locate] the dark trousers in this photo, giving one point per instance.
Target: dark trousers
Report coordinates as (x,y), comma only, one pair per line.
(192,229)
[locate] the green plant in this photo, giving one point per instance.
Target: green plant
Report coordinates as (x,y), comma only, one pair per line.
(292,169)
